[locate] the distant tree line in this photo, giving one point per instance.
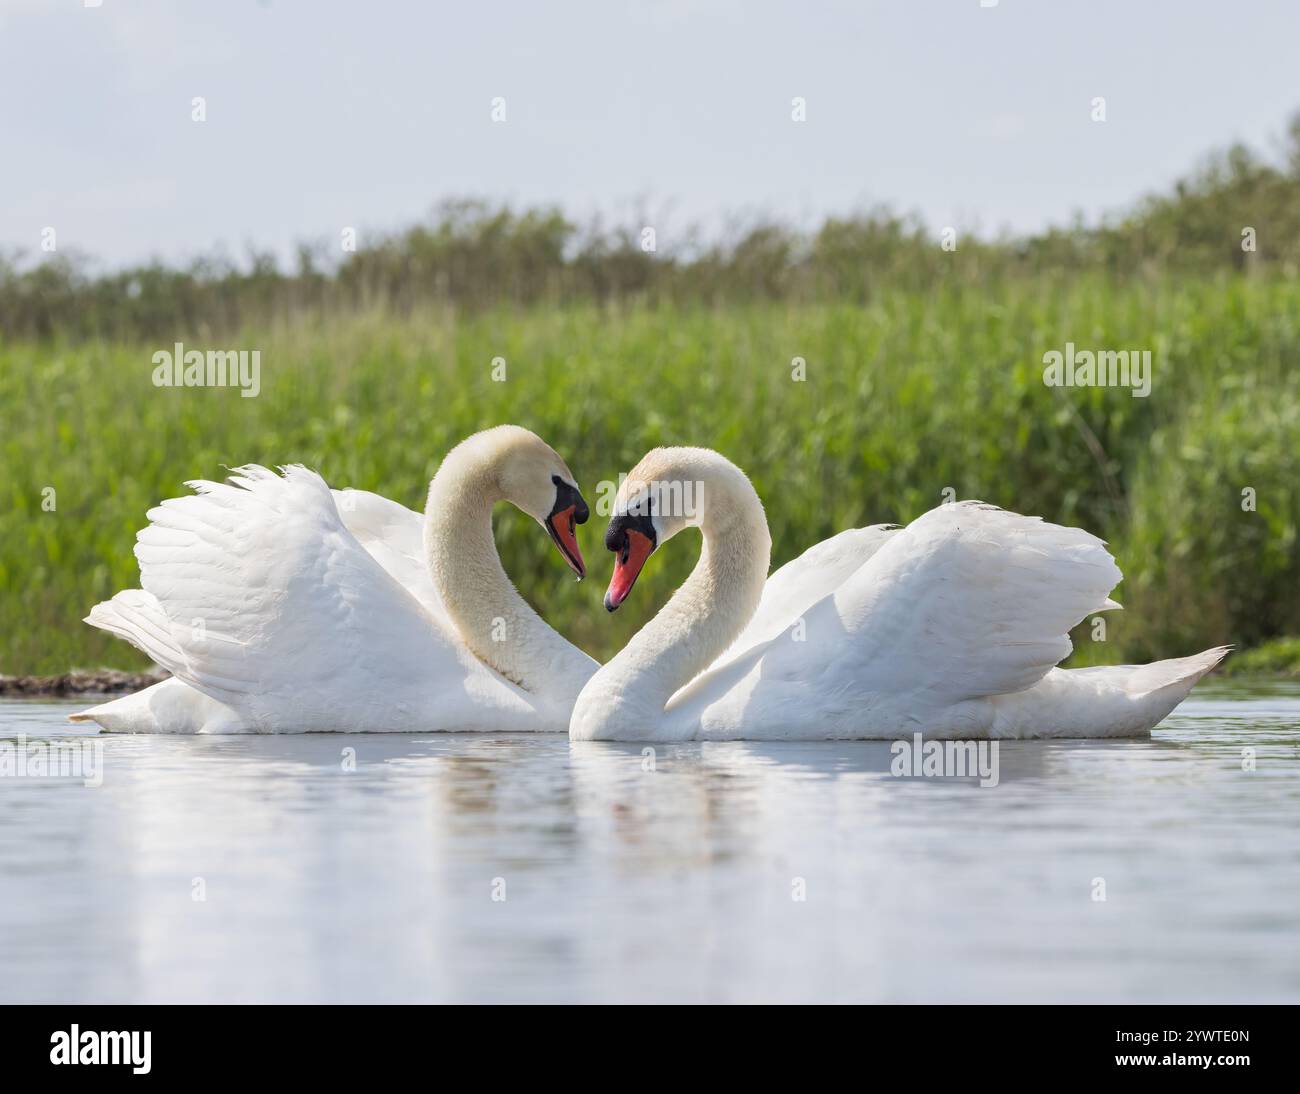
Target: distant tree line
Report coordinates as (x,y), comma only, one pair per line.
(1240,212)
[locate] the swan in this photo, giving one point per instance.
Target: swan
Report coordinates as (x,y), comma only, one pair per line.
(951,626)
(281,606)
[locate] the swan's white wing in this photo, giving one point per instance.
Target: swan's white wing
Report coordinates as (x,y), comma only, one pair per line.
(394,536)
(803,581)
(968,601)
(274,608)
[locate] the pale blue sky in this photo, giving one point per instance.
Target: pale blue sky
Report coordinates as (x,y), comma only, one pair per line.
(326,114)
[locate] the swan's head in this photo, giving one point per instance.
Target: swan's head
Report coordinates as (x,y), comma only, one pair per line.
(533,477)
(527,472)
(663,494)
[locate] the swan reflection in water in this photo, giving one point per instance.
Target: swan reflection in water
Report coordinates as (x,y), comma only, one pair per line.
(494,867)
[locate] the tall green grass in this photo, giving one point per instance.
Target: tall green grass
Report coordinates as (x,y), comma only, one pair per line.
(907,394)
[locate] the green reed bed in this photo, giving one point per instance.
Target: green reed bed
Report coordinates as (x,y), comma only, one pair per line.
(908,399)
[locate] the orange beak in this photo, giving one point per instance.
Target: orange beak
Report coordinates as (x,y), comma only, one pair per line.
(562,526)
(627,567)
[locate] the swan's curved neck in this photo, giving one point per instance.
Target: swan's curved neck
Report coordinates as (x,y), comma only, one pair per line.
(495,622)
(627,698)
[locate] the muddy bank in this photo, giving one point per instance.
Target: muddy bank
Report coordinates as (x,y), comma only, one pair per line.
(79,682)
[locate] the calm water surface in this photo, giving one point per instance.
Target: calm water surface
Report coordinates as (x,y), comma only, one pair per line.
(627,884)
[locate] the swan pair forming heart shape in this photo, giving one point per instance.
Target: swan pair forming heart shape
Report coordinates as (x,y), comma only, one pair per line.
(282,606)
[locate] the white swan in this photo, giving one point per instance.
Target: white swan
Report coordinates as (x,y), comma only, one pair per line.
(281,606)
(951,627)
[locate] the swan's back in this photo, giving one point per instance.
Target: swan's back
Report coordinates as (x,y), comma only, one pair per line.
(966,604)
(803,581)
(394,536)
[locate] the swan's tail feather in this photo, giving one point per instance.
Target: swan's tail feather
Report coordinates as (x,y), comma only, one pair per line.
(1103,701)
(170,706)
(117,716)
(1176,675)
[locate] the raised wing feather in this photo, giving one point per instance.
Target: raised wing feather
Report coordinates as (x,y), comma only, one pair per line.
(276,609)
